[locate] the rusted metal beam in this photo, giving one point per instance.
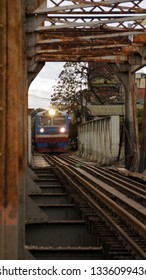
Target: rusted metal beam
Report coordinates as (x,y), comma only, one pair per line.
(81,6)
(87,51)
(83,47)
(139,38)
(87,34)
(60,9)
(71,57)
(45,30)
(31,24)
(118,20)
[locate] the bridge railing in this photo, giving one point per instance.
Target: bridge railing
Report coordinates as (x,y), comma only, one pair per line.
(98,140)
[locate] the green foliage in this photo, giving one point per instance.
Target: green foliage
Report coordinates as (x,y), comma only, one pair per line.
(68,93)
(34,112)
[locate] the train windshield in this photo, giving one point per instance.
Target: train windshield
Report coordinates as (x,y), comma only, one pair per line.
(44,121)
(59,120)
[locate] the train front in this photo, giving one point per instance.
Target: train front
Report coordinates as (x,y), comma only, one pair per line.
(51,131)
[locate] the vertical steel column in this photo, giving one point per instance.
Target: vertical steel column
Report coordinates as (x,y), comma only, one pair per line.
(142,162)
(13,162)
(127,77)
(131,130)
(32,23)
(2,121)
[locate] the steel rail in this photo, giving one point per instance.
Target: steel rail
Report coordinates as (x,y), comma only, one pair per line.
(121,232)
(136,224)
(138,188)
(129,196)
(118,183)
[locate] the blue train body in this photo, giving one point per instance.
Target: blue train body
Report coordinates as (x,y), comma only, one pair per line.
(51,132)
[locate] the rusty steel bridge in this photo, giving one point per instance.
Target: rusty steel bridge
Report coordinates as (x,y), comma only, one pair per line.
(33,32)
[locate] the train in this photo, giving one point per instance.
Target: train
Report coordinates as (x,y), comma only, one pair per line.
(51,131)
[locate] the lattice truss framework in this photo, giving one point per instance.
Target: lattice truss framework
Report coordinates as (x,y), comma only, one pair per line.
(96,30)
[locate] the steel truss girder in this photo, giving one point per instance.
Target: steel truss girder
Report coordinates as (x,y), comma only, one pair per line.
(94,7)
(86,30)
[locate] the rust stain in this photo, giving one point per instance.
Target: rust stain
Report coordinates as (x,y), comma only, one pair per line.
(139,38)
(128,50)
(9,215)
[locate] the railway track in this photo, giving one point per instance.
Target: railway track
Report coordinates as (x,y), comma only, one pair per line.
(132,190)
(109,175)
(54,228)
(99,216)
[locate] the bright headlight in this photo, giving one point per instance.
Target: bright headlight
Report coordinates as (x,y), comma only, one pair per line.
(62,129)
(42,130)
(52,112)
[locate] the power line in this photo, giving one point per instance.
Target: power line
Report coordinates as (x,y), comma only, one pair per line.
(39,97)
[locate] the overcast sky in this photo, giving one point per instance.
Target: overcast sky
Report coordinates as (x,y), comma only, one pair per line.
(41,88)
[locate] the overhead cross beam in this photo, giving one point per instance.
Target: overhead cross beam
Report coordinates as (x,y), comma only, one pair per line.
(94,7)
(97,30)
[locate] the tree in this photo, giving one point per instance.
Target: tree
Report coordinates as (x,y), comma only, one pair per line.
(70,91)
(78,83)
